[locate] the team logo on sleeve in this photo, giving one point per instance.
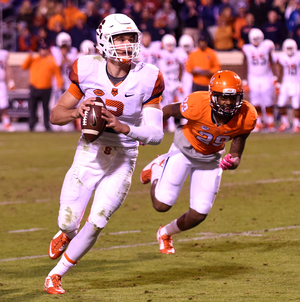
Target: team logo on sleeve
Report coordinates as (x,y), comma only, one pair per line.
(114,91)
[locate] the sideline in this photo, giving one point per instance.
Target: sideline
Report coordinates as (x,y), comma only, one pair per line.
(204,236)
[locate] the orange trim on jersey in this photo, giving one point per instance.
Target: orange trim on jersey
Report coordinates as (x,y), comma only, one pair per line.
(74,72)
(70,260)
(75,91)
(159,85)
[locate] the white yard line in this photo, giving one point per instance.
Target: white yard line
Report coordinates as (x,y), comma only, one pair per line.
(203,237)
(26,230)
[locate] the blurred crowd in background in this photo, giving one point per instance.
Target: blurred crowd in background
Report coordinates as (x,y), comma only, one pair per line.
(225,22)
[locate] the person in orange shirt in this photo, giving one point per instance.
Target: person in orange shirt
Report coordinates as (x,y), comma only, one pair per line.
(41,70)
(202,64)
(214,117)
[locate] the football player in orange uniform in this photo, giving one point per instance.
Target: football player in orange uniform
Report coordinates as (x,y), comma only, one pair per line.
(132,94)
(214,118)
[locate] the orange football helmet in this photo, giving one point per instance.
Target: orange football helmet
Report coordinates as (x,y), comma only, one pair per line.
(226,84)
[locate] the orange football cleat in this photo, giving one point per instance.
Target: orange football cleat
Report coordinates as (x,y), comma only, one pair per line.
(53,285)
(165,242)
(58,245)
(145,176)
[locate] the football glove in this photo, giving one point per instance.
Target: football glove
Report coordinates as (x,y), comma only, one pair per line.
(227,162)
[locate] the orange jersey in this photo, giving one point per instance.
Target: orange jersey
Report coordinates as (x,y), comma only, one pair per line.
(204,135)
(207,60)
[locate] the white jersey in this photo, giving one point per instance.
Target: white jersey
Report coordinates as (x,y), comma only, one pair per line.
(258,58)
(291,67)
(150,54)
(143,85)
(186,77)
(3,61)
(290,86)
(65,67)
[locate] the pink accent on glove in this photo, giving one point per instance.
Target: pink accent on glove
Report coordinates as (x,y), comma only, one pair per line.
(227,162)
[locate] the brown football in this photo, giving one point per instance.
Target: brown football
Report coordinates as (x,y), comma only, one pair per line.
(92,125)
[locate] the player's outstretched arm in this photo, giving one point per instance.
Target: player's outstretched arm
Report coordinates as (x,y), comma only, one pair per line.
(172,110)
(232,160)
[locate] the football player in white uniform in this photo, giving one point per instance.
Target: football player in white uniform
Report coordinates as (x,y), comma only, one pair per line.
(132,94)
(258,62)
(149,49)
(170,64)
(186,46)
(87,47)
(64,55)
(6,81)
(289,75)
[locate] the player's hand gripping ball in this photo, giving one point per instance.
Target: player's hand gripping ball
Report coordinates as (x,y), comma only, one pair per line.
(92,124)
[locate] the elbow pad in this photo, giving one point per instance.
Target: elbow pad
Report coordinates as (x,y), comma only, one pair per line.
(151,129)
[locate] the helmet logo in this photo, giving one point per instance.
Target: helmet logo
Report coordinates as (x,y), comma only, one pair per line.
(98,92)
(229,91)
(114,91)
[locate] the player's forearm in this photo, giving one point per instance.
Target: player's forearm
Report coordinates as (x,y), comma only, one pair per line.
(60,115)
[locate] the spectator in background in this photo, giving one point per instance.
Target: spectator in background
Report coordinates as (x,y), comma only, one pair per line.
(70,13)
(26,13)
(166,18)
(106,9)
(25,40)
(223,36)
(80,31)
(202,64)
(296,34)
(41,70)
(274,30)
(208,14)
(93,17)
(250,23)
(259,9)
(279,6)
(135,11)
(293,19)
(238,24)
(57,17)
(147,24)
(189,16)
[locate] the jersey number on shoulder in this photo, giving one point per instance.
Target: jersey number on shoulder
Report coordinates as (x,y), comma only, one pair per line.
(207,138)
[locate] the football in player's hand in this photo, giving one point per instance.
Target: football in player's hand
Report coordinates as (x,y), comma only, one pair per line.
(92,124)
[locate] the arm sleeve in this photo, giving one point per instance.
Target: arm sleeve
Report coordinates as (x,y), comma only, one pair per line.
(151,129)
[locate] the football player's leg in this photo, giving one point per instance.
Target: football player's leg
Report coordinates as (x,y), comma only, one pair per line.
(205,183)
(170,179)
(296,113)
(109,196)
(74,199)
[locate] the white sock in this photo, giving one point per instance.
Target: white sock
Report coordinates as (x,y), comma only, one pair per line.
(295,122)
(83,241)
(285,120)
(171,228)
(62,267)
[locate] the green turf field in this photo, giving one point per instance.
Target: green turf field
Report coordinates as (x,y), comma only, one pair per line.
(246,250)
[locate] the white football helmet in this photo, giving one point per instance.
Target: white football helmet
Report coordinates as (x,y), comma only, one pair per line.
(116,24)
(63,39)
(186,42)
(168,42)
(87,47)
(290,47)
(255,36)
